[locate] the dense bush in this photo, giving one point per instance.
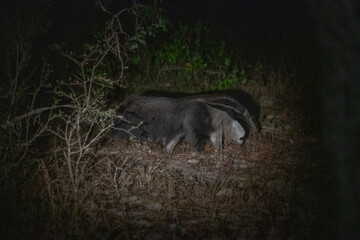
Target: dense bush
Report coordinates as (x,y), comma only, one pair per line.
(187,59)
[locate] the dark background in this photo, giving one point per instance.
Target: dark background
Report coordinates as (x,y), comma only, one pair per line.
(319,41)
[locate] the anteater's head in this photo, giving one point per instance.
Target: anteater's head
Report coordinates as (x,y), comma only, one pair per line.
(235,132)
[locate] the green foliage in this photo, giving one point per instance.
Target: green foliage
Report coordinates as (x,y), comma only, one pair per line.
(186,59)
(158,24)
(231,80)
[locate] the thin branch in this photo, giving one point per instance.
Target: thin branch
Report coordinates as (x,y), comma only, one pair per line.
(33,112)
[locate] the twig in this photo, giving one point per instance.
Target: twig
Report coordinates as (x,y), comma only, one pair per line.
(33,112)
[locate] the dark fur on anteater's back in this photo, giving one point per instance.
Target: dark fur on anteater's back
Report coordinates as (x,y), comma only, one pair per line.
(238,104)
(226,103)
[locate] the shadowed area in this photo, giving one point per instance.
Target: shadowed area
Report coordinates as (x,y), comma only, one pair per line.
(66,68)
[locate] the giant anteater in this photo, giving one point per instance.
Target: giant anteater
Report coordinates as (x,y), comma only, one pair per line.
(194,118)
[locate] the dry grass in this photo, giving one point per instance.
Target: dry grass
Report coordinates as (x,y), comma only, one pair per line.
(274,186)
(258,190)
(252,193)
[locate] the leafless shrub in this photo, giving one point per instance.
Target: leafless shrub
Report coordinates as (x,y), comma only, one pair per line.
(75,171)
(70,171)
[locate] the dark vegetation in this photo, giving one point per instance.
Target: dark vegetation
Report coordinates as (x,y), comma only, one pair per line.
(65,67)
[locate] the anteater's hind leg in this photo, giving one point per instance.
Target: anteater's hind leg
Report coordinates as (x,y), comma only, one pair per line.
(172,143)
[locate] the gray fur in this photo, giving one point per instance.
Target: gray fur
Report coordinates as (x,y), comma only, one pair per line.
(226,103)
(225,129)
(167,120)
(171,119)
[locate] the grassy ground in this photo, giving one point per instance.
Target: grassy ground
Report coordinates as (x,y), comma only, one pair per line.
(275,186)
